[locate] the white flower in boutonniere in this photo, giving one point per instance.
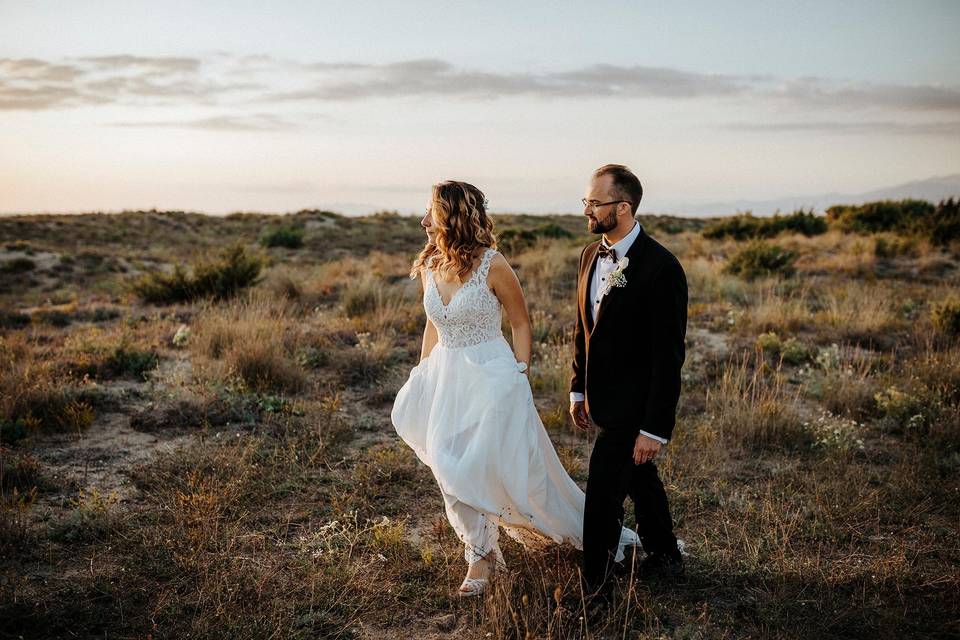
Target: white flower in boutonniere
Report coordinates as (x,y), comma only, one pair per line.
(616,277)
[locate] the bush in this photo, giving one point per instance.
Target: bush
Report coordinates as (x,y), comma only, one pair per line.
(946,316)
(366,362)
(552,230)
(885,215)
(945,225)
(746,225)
(283,236)
(760,258)
(18,265)
(516,240)
(93,517)
(791,351)
(893,247)
(13,319)
(264,367)
(13,430)
(835,435)
(21,471)
(940,223)
(235,269)
(100,355)
(739,227)
(907,412)
(54,317)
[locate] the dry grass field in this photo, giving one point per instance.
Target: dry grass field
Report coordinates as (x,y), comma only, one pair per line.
(195,436)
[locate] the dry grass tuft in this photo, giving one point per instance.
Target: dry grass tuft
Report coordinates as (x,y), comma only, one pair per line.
(753,406)
(253,339)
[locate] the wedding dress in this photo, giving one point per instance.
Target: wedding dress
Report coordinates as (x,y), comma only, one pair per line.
(468,413)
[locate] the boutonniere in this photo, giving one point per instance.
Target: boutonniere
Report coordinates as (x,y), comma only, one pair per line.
(616,277)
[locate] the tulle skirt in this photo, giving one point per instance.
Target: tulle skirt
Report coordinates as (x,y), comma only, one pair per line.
(469,415)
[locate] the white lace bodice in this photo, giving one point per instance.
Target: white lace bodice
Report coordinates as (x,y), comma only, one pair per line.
(473,313)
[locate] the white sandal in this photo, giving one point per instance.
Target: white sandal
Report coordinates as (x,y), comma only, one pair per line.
(475,586)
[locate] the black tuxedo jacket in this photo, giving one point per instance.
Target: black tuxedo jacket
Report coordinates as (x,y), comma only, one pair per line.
(627,363)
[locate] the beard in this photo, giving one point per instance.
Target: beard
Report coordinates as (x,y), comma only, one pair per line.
(602,225)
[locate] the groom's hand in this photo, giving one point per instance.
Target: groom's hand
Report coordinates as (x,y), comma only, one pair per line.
(579,414)
(645,449)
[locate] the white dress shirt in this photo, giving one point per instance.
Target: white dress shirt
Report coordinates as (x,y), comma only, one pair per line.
(605,266)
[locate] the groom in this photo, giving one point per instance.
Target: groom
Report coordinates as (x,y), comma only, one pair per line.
(629,347)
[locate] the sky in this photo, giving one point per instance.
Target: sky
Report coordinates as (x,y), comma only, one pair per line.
(362,106)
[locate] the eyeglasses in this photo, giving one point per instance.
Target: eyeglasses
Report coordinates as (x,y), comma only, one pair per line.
(595,205)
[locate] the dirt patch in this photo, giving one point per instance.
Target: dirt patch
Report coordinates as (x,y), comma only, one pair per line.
(101,456)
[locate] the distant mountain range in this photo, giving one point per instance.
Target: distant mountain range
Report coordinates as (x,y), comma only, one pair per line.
(931,189)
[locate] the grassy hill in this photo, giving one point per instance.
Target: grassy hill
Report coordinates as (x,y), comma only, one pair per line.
(222,464)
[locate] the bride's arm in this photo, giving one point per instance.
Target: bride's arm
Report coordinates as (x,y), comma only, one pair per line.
(429,330)
(429,339)
(506,286)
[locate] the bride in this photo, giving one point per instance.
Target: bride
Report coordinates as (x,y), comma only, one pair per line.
(467,409)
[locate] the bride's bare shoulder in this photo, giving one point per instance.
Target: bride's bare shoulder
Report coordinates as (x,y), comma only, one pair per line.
(500,268)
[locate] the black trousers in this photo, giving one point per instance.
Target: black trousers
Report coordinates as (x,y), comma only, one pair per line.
(612,477)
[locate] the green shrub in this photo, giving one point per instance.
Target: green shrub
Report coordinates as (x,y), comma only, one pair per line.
(746,225)
(945,225)
(92,518)
(551,230)
(287,236)
(13,319)
(54,317)
(739,227)
(908,412)
(761,258)
(13,430)
(904,216)
(794,352)
(236,268)
(163,288)
(768,342)
(516,240)
(940,223)
(791,350)
(132,362)
(835,435)
(18,265)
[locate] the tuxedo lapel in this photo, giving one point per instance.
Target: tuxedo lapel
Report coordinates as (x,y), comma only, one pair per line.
(586,278)
(633,254)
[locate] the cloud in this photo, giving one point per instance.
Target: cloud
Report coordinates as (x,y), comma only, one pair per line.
(841,127)
(430,77)
(257,122)
(38,70)
(33,84)
(822,92)
(605,79)
(158,64)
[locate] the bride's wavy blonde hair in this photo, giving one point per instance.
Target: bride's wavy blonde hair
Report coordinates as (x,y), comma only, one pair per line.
(462,226)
